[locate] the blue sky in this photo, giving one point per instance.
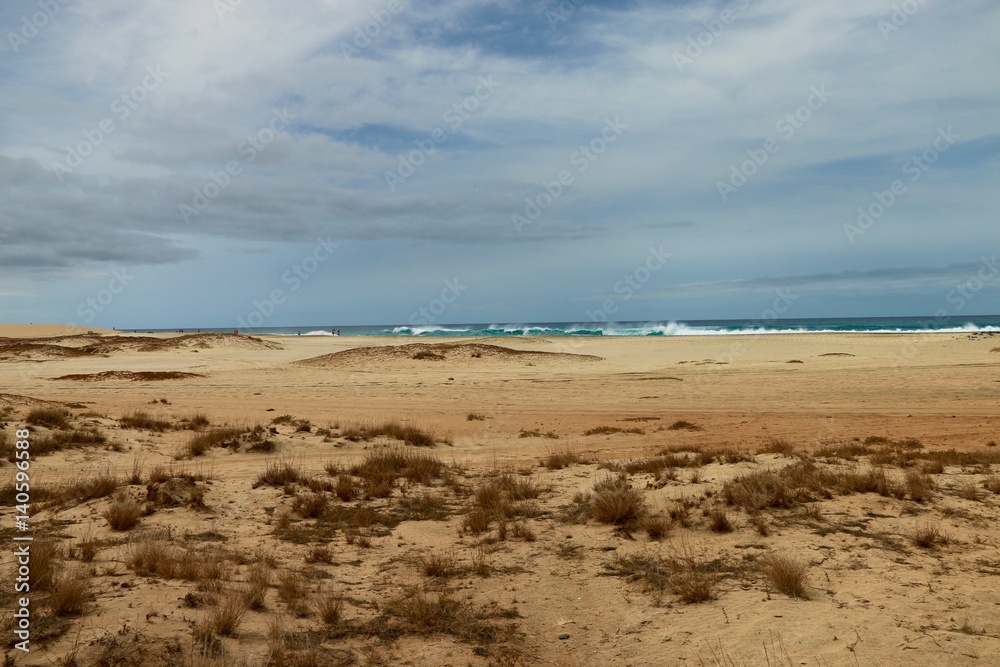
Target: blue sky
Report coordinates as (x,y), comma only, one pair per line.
(225,158)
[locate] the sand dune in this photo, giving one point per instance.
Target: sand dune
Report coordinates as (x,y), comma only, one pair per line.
(58,347)
(454,353)
(132,376)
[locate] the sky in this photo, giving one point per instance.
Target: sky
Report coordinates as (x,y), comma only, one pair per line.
(202,163)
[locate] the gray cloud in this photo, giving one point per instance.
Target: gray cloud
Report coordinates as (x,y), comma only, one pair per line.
(353,121)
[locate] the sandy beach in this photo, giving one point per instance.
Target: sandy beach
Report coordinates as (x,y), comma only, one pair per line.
(677,428)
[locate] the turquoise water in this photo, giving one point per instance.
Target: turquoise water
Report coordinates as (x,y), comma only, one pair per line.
(988,323)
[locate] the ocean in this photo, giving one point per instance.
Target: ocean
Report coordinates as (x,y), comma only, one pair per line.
(987,323)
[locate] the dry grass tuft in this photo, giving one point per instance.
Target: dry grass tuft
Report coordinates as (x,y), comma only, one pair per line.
(70,594)
(718,521)
(777,446)
(101,485)
(310,505)
(970,491)
(557,460)
(425,506)
(411,435)
(928,536)
(616,503)
(439,566)
(152,557)
(258,581)
(919,486)
(143,421)
(537,433)
(122,514)
(345,488)
(682,573)
(279,473)
(60,440)
(201,443)
(476,521)
(390,463)
(992,484)
(330,608)
(419,612)
(501,498)
(44,563)
(657,526)
(293,590)
(226,616)
(786,575)
(610,430)
(48,417)
(683,425)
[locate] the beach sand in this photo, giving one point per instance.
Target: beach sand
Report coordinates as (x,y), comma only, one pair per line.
(550,583)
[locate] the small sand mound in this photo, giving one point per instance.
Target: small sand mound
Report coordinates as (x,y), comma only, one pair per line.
(20,350)
(202,341)
(140,376)
(61,347)
(209,340)
(426,353)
